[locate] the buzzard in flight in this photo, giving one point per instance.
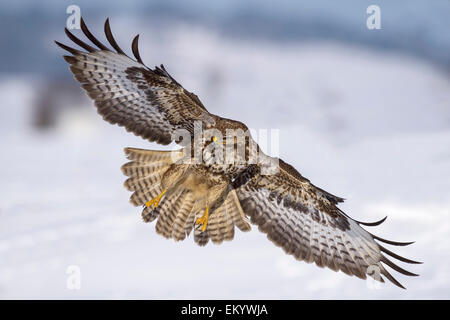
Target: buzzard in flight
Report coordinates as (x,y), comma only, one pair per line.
(210,196)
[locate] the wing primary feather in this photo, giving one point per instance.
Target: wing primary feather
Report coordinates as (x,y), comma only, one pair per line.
(396,256)
(396,267)
(368,224)
(82,44)
(162,71)
(70,59)
(390,277)
(91,37)
(394,243)
(111,39)
(372,224)
(135,49)
(67,48)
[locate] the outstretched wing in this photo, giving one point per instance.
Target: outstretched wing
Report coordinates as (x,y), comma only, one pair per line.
(305,222)
(147,102)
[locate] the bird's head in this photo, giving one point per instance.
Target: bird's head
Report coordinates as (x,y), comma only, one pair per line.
(228,131)
(230,141)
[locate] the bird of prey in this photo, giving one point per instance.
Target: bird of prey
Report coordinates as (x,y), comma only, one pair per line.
(213,197)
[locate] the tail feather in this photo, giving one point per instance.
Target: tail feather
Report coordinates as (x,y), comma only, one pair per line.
(189,224)
(236,212)
(201,237)
(167,212)
(141,196)
(178,228)
(216,224)
(224,218)
(135,184)
(178,210)
(145,171)
(142,169)
(228,233)
(143,155)
(149,214)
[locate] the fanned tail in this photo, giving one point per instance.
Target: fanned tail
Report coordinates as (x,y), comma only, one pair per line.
(180,225)
(145,171)
(222,221)
(168,212)
(178,210)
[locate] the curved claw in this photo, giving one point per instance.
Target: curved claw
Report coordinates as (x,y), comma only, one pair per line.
(203,220)
(155,201)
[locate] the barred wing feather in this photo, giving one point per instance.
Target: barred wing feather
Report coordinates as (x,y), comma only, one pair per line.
(148,102)
(304,221)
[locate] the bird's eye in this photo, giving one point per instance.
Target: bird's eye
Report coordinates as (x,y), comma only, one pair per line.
(214,139)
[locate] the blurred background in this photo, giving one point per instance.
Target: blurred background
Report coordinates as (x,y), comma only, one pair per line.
(364,114)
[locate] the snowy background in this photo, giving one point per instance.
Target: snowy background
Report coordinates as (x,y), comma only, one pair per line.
(364,114)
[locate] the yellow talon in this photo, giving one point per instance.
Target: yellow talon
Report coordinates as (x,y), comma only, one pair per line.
(155,201)
(203,220)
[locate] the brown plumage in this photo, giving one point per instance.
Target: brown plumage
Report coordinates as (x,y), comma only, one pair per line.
(151,171)
(212,198)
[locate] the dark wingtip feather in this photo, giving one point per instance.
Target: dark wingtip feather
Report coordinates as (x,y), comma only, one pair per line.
(79,42)
(372,224)
(111,39)
(396,256)
(67,48)
(397,268)
(135,49)
(391,278)
(394,243)
(91,37)
(70,59)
